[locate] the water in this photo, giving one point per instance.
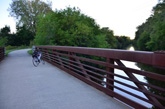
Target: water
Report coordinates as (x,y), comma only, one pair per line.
(139,77)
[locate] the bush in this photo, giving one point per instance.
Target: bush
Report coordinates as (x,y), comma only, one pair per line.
(9,47)
(22,47)
(3,41)
(30,52)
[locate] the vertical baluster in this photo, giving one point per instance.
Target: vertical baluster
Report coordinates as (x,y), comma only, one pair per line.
(43,53)
(70,58)
(3,52)
(0,54)
(111,61)
(46,54)
(59,59)
(54,56)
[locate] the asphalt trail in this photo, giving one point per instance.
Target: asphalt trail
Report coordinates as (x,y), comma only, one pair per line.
(23,86)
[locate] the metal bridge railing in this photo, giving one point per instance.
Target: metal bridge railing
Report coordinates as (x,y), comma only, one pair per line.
(2,53)
(97,67)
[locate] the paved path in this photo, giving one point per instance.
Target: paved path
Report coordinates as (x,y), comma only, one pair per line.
(23,86)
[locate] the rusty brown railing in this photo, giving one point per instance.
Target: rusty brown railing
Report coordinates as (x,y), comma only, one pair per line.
(97,67)
(2,53)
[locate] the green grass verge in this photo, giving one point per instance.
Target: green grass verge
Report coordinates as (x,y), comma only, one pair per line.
(30,52)
(13,48)
(8,51)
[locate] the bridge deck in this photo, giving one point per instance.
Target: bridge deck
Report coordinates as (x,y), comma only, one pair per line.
(23,86)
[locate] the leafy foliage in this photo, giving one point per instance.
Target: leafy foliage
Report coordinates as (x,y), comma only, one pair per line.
(69,27)
(26,11)
(24,35)
(109,35)
(150,35)
(21,37)
(4,31)
(123,42)
(3,41)
(4,34)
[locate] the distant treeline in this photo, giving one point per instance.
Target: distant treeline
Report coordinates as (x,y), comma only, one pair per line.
(22,37)
(150,36)
(67,27)
(25,37)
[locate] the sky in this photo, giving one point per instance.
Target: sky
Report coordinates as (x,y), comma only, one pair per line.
(121,16)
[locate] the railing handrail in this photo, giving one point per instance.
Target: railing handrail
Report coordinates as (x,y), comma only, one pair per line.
(77,62)
(150,58)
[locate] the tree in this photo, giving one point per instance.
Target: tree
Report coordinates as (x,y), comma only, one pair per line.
(4,32)
(158,28)
(3,41)
(69,27)
(4,35)
(123,42)
(142,41)
(13,40)
(26,12)
(110,38)
(150,35)
(24,35)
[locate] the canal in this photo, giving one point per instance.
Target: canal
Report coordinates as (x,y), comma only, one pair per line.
(139,77)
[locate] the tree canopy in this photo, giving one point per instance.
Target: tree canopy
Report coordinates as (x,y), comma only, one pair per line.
(26,12)
(150,35)
(110,38)
(69,27)
(123,42)
(22,36)
(4,34)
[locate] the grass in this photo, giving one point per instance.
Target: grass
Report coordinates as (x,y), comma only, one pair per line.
(8,51)
(13,48)
(30,52)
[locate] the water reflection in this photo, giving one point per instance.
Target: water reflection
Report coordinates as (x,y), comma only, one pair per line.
(131,48)
(139,77)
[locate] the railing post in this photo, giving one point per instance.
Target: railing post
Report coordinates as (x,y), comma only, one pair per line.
(70,58)
(2,53)
(158,56)
(111,61)
(58,58)
(45,51)
(47,54)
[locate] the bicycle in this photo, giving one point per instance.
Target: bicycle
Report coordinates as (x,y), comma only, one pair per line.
(36,61)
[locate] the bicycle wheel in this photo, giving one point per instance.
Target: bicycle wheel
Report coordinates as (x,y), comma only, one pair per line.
(35,61)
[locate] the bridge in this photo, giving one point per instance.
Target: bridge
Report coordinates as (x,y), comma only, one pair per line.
(54,86)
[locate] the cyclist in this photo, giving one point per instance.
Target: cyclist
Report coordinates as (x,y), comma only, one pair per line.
(37,54)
